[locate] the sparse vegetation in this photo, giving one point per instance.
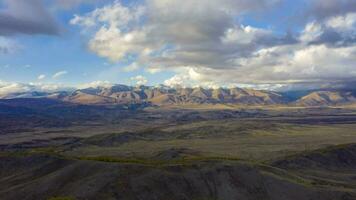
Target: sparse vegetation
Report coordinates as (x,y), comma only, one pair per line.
(61,198)
(200,152)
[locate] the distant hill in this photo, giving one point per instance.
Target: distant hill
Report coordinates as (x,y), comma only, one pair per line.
(327,98)
(172,96)
(160,96)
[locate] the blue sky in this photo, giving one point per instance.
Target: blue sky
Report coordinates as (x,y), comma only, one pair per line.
(49,54)
(240,42)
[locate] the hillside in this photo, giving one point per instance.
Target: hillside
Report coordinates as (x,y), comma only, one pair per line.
(322,98)
(162,96)
(121,94)
(45,177)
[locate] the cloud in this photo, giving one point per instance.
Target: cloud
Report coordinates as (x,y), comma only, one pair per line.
(343,22)
(177,80)
(8,88)
(8,46)
(110,40)
(154,70)
(26,17)
(41,77)
(69,4)
(59,74)
(206,45)
(337,31)
(140,80)
(151,31)
(96,84)
(322,9)
(132,67)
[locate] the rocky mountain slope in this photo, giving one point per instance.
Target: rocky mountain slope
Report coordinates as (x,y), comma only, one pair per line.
(320,98)
(122,94)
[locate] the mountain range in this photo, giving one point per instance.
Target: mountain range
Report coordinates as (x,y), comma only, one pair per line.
(162,95)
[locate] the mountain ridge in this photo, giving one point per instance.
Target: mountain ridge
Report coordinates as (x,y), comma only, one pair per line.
(122,94)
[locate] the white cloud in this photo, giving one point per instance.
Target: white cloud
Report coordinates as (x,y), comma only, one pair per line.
(83,21)
(139,80)
(343,22)
(203,41)
(180,80)
(154,70)
(151,31)
(41,77)
(132,67)
(49,87)
(115,37)
(8,88)
(59,74)
(244,34)
(95,84)
(190,77)
(311,31)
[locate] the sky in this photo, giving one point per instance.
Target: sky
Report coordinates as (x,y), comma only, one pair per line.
(263,44)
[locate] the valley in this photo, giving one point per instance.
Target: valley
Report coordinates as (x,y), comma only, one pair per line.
(61,150)
(177,100)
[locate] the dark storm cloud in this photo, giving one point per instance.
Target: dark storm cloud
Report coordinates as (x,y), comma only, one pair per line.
(69,4)
(332,37)
(272,40)
(11,25)
(26,17)
(202,26)
(321,9)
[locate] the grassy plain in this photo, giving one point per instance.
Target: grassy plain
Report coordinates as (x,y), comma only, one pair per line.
(176,153)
